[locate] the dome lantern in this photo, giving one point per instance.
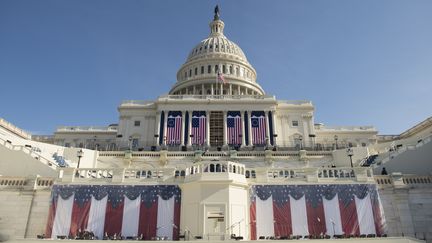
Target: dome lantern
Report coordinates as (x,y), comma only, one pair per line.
(217,25)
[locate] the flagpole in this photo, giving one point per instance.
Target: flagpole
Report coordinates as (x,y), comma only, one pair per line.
(217,81)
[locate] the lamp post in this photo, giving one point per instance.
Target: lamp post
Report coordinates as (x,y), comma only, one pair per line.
(94,143)
(130,143)
(80,154)
(350,154)
(301,142)
(336,141)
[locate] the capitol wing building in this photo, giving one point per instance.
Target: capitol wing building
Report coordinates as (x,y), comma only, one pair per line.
(216,159)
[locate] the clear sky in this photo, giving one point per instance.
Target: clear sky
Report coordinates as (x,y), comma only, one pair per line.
(362,62)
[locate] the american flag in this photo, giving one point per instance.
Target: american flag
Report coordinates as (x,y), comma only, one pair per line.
(221,78)
(351,209)
(131,210)
(234,128)
(174,124)
(198,127)
(258,128)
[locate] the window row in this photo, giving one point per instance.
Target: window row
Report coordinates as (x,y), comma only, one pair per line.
(207,90)
(214,47)
(225,69)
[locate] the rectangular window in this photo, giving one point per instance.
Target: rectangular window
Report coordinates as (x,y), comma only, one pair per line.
(295,123)
(223,69)
(209,69)
(216,68)
(202,69)
(196,71)
(137,123)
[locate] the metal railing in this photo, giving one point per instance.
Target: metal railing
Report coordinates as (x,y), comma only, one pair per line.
(87,128)
(14,129)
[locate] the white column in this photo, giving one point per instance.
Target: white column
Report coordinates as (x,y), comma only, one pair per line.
(189,128)
(250,128)
(225,128)
(208,128)
(182,129)
(212,90)
(243,128)
(165,127)
(203,90)
(221,89)
(267,127)
(157,125)
(230,89)
(238,90)
(274,127)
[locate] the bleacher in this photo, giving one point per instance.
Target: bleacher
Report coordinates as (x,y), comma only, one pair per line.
(60,160)
(370,160)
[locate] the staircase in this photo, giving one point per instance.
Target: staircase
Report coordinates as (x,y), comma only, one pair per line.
(395,152)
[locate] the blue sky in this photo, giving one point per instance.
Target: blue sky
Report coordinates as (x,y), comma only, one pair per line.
(72,62)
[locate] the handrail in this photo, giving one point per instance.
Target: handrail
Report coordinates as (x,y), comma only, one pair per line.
(14,129)
(176,175)
(391,180)
(239,154)
(15,182)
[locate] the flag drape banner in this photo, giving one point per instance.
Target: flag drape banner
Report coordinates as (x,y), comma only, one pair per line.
(285,210)
(130,211)
(174,127)
(198,130)
(234,127)
(258,124)
(264,216)
(96,220)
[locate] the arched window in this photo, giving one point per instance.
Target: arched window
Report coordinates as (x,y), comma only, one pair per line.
(223,69)
(231,70)
(234,169)
(247,174)
(209,69)
(253,174)
(216,68)
(196,71)
(190,72)
(212,168)
(218,168)
(182,173)
(202,69)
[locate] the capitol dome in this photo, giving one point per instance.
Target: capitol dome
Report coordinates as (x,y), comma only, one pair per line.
(213,55)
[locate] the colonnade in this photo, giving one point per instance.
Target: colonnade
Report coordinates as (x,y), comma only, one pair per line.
(246,129)
(216,89)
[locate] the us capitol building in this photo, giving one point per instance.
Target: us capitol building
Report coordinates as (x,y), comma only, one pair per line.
(216,159)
